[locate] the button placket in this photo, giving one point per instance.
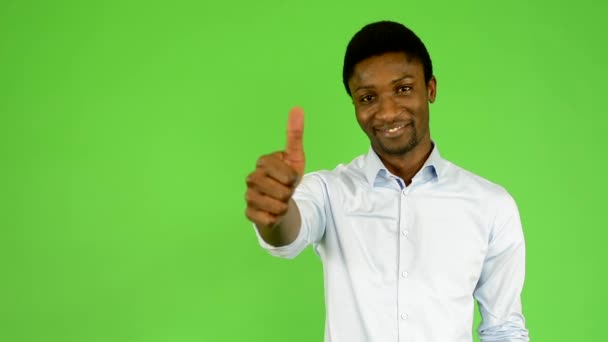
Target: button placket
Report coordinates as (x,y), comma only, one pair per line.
(405,259)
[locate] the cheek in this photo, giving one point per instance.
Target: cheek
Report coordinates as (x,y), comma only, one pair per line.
(420,108)
(362,124)
(422,116)
(362,117)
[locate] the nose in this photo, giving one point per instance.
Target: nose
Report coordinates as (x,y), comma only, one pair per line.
(388,109)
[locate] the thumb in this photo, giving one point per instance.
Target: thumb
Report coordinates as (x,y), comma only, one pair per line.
(294,149)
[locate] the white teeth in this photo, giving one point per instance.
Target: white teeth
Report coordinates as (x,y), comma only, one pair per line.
(394,129)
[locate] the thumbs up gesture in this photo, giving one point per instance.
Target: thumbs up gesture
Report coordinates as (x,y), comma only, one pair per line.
(294,149)
(272,183)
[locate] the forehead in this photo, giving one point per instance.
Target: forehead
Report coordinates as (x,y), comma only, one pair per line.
(389,65)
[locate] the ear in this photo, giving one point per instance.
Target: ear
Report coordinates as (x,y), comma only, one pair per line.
(431,89)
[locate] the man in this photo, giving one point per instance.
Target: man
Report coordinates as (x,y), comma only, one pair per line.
(408,240)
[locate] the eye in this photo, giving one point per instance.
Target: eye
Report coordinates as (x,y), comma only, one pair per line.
(366,98)
(403,89)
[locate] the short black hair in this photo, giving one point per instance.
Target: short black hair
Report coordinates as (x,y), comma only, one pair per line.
(381,37)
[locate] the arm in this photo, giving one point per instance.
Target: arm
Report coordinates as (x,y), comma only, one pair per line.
(286,231)
(306,227)
(269,200)
(498,290)
(271,185)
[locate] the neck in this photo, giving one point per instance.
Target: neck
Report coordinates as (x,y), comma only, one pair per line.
(407,165)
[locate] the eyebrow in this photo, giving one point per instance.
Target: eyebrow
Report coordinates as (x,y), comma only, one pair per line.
(392,82)
(402,78)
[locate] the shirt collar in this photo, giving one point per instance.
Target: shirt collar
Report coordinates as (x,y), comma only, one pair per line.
(374,168)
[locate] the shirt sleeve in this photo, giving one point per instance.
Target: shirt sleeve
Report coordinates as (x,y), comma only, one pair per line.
(498,290)
(310,197)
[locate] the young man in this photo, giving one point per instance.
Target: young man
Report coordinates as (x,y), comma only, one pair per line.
(408,240)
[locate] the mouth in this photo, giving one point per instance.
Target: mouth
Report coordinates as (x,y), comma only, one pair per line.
(392,131)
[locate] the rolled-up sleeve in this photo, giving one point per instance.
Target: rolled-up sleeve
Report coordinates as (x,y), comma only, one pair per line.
(499,288)
(310,198)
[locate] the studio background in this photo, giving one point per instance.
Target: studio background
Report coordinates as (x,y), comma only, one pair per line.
(127,129)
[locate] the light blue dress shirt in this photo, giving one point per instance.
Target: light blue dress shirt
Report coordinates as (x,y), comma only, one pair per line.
(405,264)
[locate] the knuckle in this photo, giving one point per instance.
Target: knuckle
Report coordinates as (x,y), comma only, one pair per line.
(249,214)
(271,221)
(285,196)
(256,217)
(252,178)
(275,155)
(264,160)
(282,209)
(248,197)
(261,165)
(257,175)
(287,178)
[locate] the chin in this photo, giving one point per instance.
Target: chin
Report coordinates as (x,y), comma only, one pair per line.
(398,149)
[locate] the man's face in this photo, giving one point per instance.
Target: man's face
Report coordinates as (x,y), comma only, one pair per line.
(392,102)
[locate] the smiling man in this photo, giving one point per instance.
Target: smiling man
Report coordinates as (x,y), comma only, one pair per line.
(408,239)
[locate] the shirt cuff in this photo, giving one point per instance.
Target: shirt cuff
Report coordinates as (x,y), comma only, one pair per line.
(289,251)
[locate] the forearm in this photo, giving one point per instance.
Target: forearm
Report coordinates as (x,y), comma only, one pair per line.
(286,231)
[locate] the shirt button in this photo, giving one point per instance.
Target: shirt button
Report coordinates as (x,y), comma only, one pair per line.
(404,274)
(404,232)
(404,316)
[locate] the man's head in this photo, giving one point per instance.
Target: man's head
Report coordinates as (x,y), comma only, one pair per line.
(379,38)
(389,75)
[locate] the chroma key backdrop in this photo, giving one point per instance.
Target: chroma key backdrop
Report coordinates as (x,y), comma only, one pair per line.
(127,129)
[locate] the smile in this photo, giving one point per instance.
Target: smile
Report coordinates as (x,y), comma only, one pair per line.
(393,130)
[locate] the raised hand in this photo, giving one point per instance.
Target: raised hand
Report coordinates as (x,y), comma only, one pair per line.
(272,183)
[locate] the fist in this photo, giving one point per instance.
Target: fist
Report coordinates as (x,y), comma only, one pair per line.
(271,185)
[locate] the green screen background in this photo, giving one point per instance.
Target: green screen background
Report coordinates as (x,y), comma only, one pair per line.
(127,129)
